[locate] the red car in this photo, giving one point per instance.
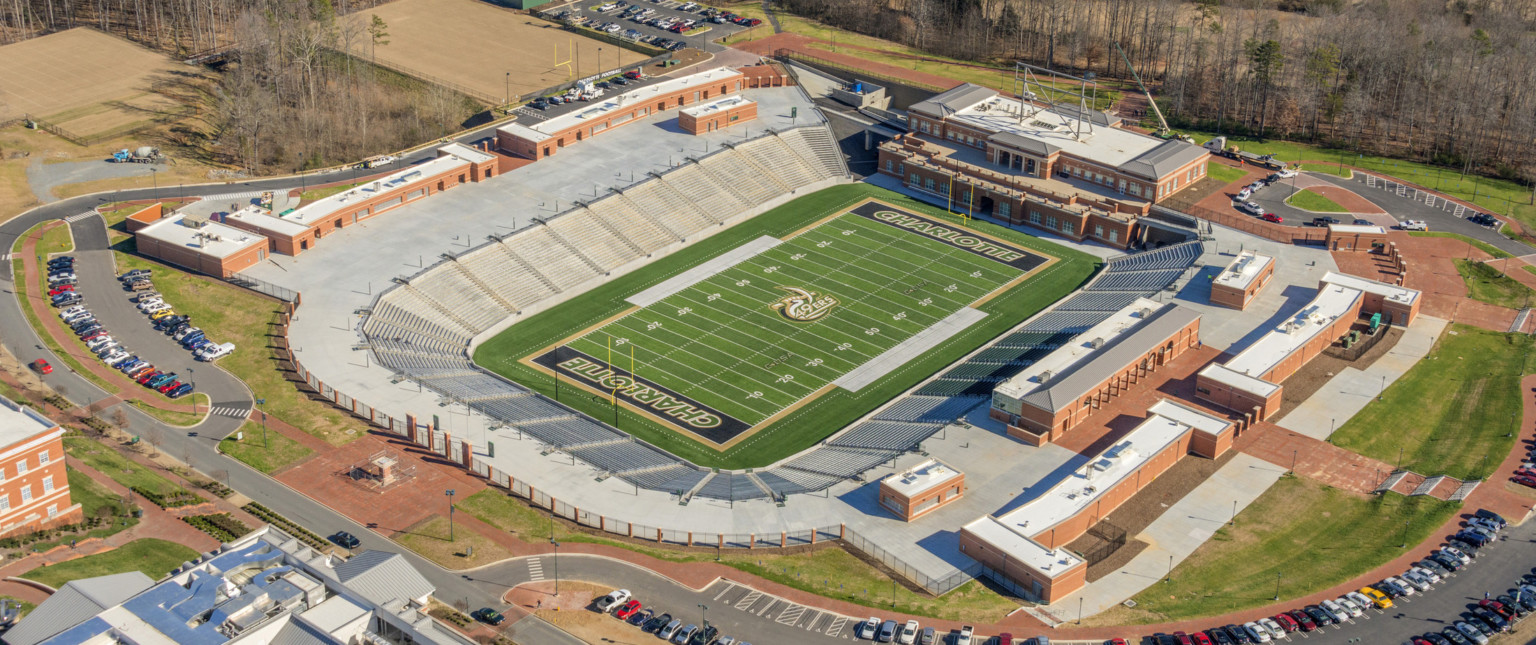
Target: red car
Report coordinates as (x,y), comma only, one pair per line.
(1271,217)
(1115,641)
(1200,638)
(61,289)
(1526,481)
(148,375)
(627,610)
(1498,608)
(169,386)
(42,366)
(1183,638)
(1286,622)
(1303,619)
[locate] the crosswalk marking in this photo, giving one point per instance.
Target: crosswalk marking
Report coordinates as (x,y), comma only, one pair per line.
(535,570)
(75,218)
(6,257)
(230,411)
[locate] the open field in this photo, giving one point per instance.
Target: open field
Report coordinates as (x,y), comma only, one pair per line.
(109,462)
(1311,201)
(830,571)
(1450,413)
(486,50)
(794,429)
(1224,173)
(84,81)
(1487,284)
(152,556)
(264,454)
(1280,538)
(1490,249)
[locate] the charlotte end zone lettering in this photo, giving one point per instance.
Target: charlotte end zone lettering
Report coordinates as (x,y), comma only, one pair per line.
(663,404)
(956,237)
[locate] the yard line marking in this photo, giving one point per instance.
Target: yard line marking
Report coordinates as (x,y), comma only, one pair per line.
(728,587)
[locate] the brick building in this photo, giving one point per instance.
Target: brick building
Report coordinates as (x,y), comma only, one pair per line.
(547,137)
(1025,546)
(1250,383)
(921,489)
(717,115)
(1077,174)
(1058,392)
(1356,237)
(34,490)
(1242,280)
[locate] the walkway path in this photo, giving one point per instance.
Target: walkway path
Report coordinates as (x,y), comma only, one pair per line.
(1352,389)
(1314,458)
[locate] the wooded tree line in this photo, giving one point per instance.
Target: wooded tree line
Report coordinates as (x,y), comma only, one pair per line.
(1448,81)
(288,100)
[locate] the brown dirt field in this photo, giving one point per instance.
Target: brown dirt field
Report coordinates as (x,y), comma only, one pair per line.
(475,45)
(82,80)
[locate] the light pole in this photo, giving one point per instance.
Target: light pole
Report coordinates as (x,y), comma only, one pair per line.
(259,403)
(557,565)
(193,381)
(1405,534)
(1169,578)
(1277,585)
(704,616)
(449,493)
(154,177)
(509,88)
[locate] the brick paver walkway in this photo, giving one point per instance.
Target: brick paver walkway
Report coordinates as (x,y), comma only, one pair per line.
(327,476)
(1313,459)
(1431,270)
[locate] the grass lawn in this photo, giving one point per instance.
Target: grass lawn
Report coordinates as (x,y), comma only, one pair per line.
(277,452)
(1450,413)
(1489,285)
(95,500)
(1305,534)
(152,556)
(1490,249)
(1310,201)
(1494,195)
(830,572)
(1224,173)
(430,539)
(172,417)
(798,429)
(55,240)
(231,314)
(113,464)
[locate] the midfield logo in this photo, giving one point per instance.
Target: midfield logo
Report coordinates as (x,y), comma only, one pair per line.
(804,306)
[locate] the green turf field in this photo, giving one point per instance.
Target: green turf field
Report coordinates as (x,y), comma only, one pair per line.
(721,351)
(730,342)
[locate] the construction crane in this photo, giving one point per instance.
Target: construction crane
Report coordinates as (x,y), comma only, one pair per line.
(1162,124)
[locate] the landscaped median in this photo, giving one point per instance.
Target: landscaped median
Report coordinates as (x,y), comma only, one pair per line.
(1308,200)
(153,557)
(264,449)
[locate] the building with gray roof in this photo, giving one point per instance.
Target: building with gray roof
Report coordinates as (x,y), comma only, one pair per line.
(266,588)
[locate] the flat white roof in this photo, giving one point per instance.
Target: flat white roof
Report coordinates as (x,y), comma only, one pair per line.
(1239,381)
(600,111)
(1080,349)
(1189,416)
(1074,494)
(1100,143)
(523,132)
(919,479)
(1265,353)
(19,422)
(320,209)
(1392,292)
(716,106)
(261,219)
(211,239)
(1356,228)
(1243,270)
(465,152)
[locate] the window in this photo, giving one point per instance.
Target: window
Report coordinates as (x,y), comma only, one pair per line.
(21,467)
(929,183)
(1004,209)
(1114,236)
(1098,230)
(944,189)
(26,493)
(890,165)
(1135,189)
(1034,217)
(1050,222)
(914,180)
(42,458)
(5,502)
(1068,227)
(923,125)
(48,484)
(53,510)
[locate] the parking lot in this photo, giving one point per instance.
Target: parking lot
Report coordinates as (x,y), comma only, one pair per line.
(646,30)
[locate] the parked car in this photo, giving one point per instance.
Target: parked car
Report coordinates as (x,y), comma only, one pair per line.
(216,352)
(640,618)
(1271,217)
(613,600)
(908,635)
(657,623)
(684,634)
(964,637)
(488,616)
(1497,607)
(670,630)
(1272,627)
(1486,514)
(1325,221)
(136,273)
(185,389)
(887,632)
(1494,620)
(1413,225)
(626,610)
(345,540)
(1303,620)
(1285,622)
(1322,618)
(867,629)
(1335,611)
(1472,633)
(165,388)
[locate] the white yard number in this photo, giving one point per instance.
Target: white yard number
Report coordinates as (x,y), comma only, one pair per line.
(824,244)
(871,331)
(844,347)
(797,256)
(900,316)
(620,341)
(786,378)
(848,232)
(685,311)
(815,362)
(755,395)
(950,288)
(652,326)
(975,274)
(743,283)
(713,297)
(771,269)
(925,302)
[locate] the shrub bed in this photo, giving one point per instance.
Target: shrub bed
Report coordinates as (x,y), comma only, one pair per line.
(172,500)
(271,517)
(219,525)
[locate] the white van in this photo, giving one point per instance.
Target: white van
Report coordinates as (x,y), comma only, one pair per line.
(216,352)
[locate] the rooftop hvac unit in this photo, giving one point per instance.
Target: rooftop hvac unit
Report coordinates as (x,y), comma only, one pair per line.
(194,220)
(1145,311)
(1097,343)
(1044,376)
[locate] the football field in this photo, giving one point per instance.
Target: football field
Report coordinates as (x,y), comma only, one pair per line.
(749,341)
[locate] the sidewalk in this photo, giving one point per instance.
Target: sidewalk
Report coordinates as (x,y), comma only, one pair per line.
(1350,390)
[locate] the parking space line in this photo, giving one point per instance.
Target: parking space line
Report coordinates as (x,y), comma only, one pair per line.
(809,618)
(728,587)
(791,615)
(769,606)
(747,601)
(837,626)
